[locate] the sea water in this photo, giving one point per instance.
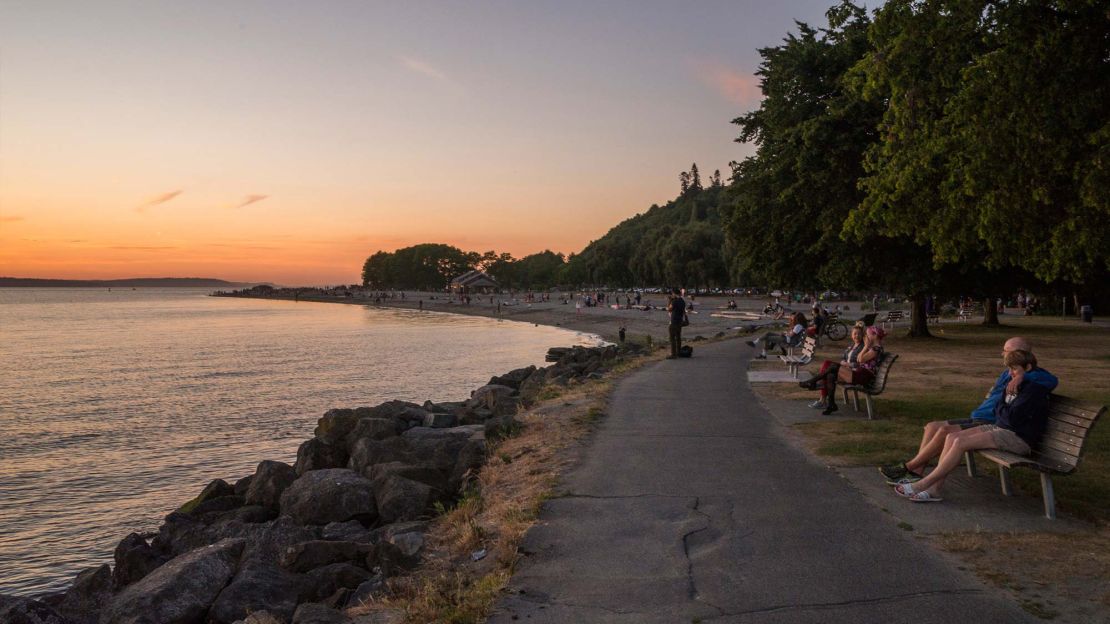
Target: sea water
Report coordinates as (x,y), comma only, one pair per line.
(118,406)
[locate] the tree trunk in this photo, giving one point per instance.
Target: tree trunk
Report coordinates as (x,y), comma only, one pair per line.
(1075,303)
(919,324)
(990,312)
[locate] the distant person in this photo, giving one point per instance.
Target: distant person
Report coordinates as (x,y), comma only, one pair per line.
(421,304)
(677,307)
(937,432)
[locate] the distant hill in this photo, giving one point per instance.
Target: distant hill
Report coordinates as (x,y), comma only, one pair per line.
(139,282)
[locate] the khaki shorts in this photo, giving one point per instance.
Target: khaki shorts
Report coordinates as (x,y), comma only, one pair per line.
(1007,440)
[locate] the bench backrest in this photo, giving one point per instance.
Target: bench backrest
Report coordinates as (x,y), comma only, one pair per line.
(810,347)
(1066,434)
(894,315)
(882,372)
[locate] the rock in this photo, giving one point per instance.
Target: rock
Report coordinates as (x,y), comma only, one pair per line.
(316,455)
(445,407)
(338,600)
(255,587)
(83,601)
(513,378)
(378,616)
(261,617)
(400,500)
(311,613)
(28,611)
(334,425)
(215,489)
(530,388)
(179,534)
(372,428)
(350,531)
(324,496)
(270,480)
(367,452)
(134,559)
(500,426)
(405,414)
(423,473)
(401,552)
(215,506)
(497,399)
(327,579)
(319,553)
(267,541)
(367,591)
(452,451)
(440,420)
(242,485)
(250,513)
(178,592)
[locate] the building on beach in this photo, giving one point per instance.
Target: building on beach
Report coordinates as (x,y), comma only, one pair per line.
(474,282)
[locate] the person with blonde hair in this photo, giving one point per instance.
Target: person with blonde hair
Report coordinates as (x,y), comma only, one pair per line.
(1021,415)
(932,440)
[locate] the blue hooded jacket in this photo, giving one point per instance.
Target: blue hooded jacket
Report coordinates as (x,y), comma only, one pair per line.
(1039,376)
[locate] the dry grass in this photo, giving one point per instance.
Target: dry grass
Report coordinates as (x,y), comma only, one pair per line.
(499,507)
(1072,588)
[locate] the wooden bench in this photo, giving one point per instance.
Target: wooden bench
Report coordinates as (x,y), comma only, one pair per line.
(794,362)
(1059,453)
(932,319)
(875,388)
(967,312)
(892,317)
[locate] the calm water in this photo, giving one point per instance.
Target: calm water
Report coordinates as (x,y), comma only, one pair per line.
(116,407)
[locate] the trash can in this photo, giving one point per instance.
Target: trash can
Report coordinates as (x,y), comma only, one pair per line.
(1086,313)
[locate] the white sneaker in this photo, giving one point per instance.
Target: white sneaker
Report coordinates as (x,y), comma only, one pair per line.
(818,404)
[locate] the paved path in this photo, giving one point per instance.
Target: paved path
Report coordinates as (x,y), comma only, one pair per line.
(689,506)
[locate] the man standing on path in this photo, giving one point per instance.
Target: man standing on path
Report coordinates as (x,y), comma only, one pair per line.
(677,308)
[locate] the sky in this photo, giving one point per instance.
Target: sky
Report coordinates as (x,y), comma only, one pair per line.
(287,141)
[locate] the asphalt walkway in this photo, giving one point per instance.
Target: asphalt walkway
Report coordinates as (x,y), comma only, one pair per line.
(690,506)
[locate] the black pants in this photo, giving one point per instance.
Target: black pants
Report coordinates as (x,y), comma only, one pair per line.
(676,338)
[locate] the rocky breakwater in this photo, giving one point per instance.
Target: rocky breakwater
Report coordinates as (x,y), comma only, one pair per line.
(301,543)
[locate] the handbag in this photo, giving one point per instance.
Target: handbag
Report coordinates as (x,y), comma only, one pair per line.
(685,320)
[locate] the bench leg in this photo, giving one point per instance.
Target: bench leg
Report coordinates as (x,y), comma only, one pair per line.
(1004,478)
(969,459)
(1048,495)
(870,408)
(855,400)
(845,396)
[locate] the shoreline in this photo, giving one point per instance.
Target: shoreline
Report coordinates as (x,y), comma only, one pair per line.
(604,322)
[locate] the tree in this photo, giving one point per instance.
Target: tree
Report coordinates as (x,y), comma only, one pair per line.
(695,178)
(684,182)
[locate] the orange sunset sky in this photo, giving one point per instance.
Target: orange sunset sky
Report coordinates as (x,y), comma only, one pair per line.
(286,141)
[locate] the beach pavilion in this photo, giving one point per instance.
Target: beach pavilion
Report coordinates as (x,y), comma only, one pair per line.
(474,282)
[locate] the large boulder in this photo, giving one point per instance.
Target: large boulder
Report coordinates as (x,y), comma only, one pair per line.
(179,534)
(316,455)
(373,428)
(83,601)
(265,542)
(312,613)
(496,398)
(334,425)
(422,473)
(319,553)
(349,531)
(216,489)
(326,580)
(324,496)
(262,617)
(259,586)
(179,592)
(134,559)
(400,499)
(28,611)
(270,480)
(400,552)
(513,378)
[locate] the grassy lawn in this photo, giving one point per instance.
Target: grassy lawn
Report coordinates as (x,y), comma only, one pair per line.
(947,376)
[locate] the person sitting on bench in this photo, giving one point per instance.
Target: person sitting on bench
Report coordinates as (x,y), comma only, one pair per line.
(1021,415)
(791,338)
(830,369)
(932,441)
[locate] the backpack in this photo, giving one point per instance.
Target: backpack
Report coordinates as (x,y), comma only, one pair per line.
(685,351)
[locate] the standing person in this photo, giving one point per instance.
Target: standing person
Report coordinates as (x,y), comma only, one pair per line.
(677,307)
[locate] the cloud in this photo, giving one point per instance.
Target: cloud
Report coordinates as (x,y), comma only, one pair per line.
(422,67)
(161,199)
(735,86)
(11,219)
(250,199)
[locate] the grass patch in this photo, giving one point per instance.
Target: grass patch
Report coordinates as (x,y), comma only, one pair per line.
(947,377)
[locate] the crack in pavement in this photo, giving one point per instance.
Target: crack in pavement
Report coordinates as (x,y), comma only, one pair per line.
(848,603)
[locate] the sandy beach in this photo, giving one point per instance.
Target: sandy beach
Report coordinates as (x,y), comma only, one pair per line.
(709,318)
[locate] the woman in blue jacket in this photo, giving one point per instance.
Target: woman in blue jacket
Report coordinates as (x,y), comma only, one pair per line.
(1020,416)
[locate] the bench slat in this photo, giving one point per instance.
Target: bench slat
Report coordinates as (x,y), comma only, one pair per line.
(1012,460)
(1070,421)
(1063,437)
(1075,408)
(1071,450)
(1050,456)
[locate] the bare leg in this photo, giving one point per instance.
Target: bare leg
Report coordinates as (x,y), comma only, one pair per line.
(955,445)
(932,442)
